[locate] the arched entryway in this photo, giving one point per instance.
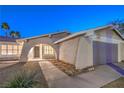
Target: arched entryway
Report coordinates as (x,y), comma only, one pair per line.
(42,52)
(46,40)
(31,43)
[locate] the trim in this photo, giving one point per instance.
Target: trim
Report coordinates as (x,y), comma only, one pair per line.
(46,35)
(103,39)
(88,31)
(81,33)
(118,33)
(119,52)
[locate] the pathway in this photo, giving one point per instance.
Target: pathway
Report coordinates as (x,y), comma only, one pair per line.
(94,79)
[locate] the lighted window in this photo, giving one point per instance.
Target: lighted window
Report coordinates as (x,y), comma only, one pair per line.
(3,49)
(9,50)
(19,49)
(48,50)
(15,49)
(4,46)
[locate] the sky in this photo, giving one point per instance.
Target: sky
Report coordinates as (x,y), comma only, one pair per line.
(37,20)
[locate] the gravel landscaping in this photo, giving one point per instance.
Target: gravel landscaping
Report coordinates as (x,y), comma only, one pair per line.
(70,69)
(9,70)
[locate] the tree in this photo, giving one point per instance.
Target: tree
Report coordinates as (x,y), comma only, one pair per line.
(15,34)
(5,27)
(12,34)
(119,25)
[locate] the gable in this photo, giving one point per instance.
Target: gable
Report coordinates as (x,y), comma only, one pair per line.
(108,33)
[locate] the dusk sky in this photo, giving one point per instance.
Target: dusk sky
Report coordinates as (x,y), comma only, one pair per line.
(37,20)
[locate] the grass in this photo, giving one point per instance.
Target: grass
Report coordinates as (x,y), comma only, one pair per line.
(119,83)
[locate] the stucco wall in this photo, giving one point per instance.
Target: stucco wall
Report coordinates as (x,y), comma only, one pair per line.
(108,32)
(68,50)
(121,51)
(85,53)
(31,54)
(29,43)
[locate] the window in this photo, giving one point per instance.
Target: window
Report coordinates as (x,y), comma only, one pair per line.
(48,50)
(10,49)
(3,49)
(19,49)
(15,49)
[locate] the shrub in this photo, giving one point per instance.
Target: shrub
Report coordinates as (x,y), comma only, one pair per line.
(22,80)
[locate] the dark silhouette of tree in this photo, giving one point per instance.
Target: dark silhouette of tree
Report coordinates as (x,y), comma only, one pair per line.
(119,25)
(18,35)
(5,27)
(12,34)
(15,34)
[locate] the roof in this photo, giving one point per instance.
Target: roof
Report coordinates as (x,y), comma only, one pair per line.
(87,31)
(46,35)
(7,39)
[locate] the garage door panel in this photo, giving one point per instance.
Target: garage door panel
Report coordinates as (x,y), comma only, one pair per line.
(104,53)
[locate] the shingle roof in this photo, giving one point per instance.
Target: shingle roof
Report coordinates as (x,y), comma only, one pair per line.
(49,35)
(7,39)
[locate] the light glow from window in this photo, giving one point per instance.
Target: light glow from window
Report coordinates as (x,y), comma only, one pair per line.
(9,49)
(48,50)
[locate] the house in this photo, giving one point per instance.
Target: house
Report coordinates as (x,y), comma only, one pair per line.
(92,47)
(83,49)
(41,47)
(9,48)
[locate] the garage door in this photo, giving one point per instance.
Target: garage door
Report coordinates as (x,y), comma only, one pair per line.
(104,53)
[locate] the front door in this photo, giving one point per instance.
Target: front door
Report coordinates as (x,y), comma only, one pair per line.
(36,52)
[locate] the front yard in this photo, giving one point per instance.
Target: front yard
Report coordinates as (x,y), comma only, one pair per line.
(8,72)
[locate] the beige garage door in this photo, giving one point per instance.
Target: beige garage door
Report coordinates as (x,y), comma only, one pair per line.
(104,53)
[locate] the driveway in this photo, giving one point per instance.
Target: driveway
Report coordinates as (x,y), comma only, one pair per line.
(101,76)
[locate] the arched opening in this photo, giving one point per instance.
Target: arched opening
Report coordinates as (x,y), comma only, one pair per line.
(42,52)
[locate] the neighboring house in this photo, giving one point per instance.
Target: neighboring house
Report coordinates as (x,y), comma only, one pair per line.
(82,49)
(9,48)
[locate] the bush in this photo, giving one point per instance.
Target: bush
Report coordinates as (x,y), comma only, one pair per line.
(22,80)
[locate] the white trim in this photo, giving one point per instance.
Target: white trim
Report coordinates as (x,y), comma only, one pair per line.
(119,53)
(81,33)
(107,40)
(40,36)
(86,33)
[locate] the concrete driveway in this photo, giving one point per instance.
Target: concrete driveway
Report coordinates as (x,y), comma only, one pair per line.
(102,75)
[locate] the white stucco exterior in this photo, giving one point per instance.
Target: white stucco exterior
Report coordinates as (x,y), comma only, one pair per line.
(84,53)
(78,49)
(68,50)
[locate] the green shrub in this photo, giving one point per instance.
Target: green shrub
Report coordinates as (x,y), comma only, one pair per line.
(22,80)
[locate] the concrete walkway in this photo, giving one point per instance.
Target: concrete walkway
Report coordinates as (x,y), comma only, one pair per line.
(52,74)
(58,79)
